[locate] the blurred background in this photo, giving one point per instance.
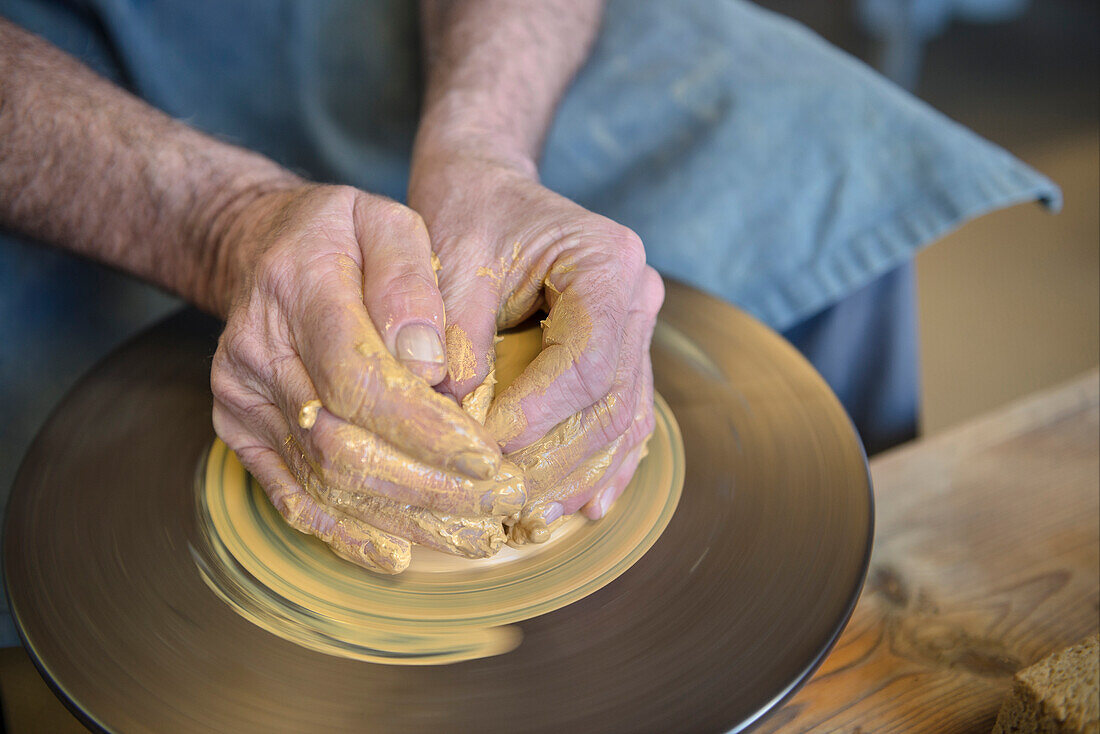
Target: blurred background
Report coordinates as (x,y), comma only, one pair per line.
(1009,303)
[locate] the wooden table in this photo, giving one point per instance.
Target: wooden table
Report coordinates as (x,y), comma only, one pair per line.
(986,559)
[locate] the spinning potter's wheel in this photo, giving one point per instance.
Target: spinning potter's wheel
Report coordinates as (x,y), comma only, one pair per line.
(444,608)
(732,607)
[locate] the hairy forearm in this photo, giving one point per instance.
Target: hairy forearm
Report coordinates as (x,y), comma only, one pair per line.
(90,168)
(496,70)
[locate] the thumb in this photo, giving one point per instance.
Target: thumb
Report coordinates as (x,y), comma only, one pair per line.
(471,303)
(399,285)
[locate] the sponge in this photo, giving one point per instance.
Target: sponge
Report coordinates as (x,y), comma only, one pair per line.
(1060,693)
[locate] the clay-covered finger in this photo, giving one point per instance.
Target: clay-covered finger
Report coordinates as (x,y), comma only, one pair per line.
(612,488)
(588,433)
(471,537)
(534,521)
(590,306)
(348,537)
(352,459)
(471,297)
(582,435)
(606,496)
(554,492)
(358,380)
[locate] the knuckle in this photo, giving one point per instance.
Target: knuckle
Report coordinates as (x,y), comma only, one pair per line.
(321,461)
(653,288)
(619,414)
(239,347)
(291,505)
(641,426)
(371,390)
(345,459)
(282,375)
(629,248)
(596,376)
(253,413)
(613,247)
(273,271)
(403,220)
(337,197)
(611,421)
(356,391)
(409,285)
(228,390)
(325,471)
(251,455)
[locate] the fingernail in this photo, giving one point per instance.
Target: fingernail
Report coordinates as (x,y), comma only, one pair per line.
(542,515)
(553,513)
(504,500)
(419,343)
(474,465)
(605,502)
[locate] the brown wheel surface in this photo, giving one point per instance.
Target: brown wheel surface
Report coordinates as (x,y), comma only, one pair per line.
(734,606)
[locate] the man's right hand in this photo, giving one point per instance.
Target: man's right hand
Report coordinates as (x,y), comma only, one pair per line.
(321,287)
(322,381)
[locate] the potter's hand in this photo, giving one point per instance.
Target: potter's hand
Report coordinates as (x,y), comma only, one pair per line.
(350,442)
(302,274)
(577,418)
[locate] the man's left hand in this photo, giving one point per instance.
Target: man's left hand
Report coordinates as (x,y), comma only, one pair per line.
(578,417)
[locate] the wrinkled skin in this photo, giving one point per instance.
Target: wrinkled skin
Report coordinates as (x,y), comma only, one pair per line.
(577,419)
(324,280)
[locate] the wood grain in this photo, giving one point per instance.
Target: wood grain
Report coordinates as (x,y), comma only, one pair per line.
(986,559)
